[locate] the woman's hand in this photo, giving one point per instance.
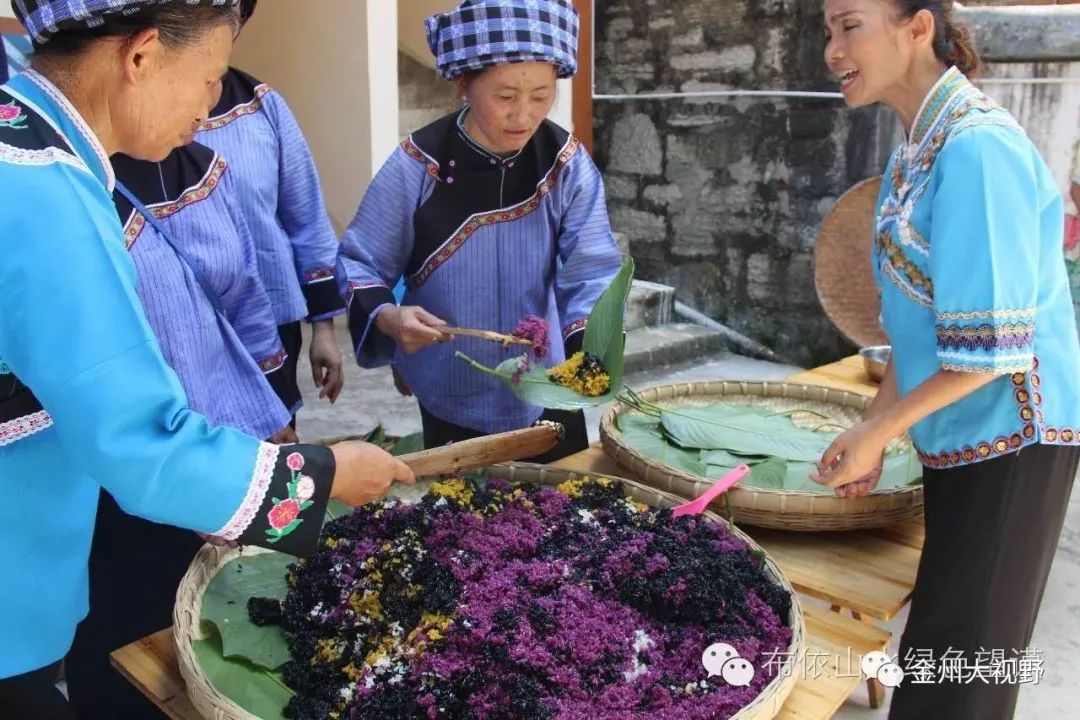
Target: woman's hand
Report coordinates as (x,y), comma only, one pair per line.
(412,328)
(852,463)
(326,369)
(365,472)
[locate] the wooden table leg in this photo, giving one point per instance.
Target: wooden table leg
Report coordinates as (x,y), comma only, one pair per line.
(875,691)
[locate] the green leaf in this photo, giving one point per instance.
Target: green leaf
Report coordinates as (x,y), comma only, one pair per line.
(723,458)
(716,427)
(377,436)
(604,338)
(259,691)
(225,601)
(642,433)
(408,444)
(536,388)
(769,474)
(605,323)
(336,509)
(900,469)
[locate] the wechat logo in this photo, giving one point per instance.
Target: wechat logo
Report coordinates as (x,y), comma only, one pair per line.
(723,660)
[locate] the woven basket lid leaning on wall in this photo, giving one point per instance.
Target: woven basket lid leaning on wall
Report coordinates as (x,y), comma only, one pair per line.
(843,275)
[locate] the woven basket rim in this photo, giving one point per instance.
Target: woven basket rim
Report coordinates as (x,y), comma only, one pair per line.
(799,511)
(187,612)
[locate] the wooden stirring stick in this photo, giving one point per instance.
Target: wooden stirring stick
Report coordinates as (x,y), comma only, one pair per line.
(486,335)
(485,451)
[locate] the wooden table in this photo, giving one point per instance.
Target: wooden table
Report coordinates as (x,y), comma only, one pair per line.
(871,573)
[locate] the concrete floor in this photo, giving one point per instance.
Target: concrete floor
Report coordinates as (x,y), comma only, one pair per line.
(369,398)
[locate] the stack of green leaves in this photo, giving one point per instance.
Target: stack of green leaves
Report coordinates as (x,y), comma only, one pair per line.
(711,440)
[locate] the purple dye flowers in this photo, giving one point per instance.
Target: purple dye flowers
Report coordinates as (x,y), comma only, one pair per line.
(535,330)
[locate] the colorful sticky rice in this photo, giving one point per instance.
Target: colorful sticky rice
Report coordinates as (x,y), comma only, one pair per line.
(492,602)
(582,373)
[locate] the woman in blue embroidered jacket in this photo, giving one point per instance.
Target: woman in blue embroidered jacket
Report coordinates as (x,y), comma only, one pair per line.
(985,370)
(279,195)
(492,213)
(86,399)
(224,351)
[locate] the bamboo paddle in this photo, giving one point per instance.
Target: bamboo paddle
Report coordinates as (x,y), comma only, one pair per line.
(485,451)
(486,335)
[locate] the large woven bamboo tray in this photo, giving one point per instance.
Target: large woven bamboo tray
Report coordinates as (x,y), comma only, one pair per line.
(209,561)
(781,509)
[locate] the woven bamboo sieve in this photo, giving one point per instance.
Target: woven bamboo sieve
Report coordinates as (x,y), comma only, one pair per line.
(209,561)
(780,509)
(843,275)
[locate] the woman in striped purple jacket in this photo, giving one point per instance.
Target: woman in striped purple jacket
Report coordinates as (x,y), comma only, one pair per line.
(492,213)
(279,194)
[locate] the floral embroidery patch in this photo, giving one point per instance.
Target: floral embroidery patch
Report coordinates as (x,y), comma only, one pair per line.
(284,516)
(12,116)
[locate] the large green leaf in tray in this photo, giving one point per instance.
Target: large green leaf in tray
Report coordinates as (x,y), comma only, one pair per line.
(712,440)
(746,431)
(260,691)
(224,606)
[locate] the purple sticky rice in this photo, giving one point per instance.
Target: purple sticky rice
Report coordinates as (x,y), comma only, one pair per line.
(540,604)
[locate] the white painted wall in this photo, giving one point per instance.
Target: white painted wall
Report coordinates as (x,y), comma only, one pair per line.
(1049,113)
(336,65)
(6,11)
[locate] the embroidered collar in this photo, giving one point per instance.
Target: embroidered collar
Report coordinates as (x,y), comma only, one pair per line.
(89,145)
(935,103)
(494,159)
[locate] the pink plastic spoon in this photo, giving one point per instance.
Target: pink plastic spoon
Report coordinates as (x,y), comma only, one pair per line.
(696,507)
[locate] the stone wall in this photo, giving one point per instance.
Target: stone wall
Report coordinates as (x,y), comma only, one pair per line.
(722,197)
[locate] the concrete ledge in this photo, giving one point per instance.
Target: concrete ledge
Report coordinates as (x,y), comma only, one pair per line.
(653,347)
(1035,33)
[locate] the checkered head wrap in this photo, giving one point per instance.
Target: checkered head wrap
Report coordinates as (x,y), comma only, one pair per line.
(480,33)
(44,18)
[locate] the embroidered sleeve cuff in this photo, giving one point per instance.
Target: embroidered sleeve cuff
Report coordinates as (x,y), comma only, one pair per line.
(372,346)
(321,294)
(286,501)
(992,341)
(573,327)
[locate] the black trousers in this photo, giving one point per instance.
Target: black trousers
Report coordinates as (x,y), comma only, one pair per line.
(286,384)
(439,432)
(135,568)
(34,696)
(991,532)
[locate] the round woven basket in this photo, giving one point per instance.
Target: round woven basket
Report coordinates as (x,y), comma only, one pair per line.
(212,705)
(781,509)
(843,274)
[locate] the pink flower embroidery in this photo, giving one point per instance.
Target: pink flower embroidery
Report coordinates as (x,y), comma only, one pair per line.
(305,488)
(295,461)
(11,115)
(283,514)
